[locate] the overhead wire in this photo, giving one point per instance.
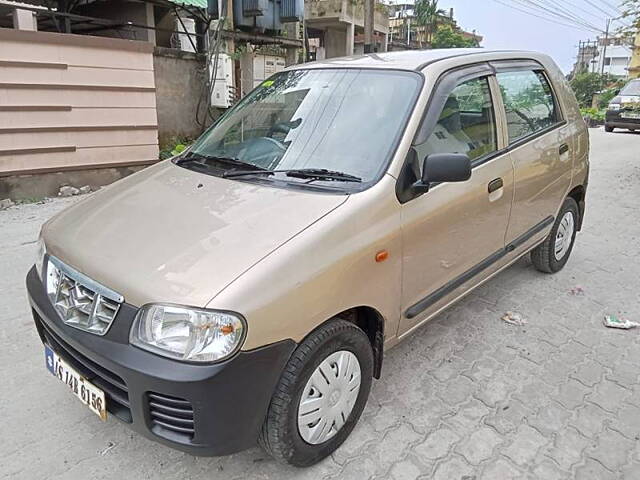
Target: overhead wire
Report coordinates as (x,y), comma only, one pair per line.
(547,18)
(556,13)
(610,5)
(596,6)
(568,11)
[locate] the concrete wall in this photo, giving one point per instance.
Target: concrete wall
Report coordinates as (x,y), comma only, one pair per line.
(335,42)
(71,102)
(35,187)
(180,80)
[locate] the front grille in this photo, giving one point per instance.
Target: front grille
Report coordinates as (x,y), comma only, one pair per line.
(171,416)
(81,302)
(114,387)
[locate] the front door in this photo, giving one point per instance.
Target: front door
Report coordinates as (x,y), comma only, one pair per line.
(454,231)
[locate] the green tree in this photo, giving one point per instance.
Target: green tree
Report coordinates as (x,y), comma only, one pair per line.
(427,14)
(631,15)
(447,37)
(586,84)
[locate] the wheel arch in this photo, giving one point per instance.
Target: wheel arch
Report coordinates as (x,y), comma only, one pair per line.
(578,193)
(371,322)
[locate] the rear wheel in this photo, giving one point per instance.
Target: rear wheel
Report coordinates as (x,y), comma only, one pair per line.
(320,396)
(608,129)
(552,254)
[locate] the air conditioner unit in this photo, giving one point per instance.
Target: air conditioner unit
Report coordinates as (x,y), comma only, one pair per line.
(184,43)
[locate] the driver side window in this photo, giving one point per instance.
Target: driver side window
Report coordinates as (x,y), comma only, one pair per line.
(466,124)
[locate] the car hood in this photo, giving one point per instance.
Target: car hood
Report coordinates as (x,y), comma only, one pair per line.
(623,99)
(168,234)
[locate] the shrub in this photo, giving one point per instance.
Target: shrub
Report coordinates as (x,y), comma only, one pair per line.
(175,146)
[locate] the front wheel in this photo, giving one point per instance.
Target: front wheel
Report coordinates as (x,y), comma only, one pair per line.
(321,395)
(608,129)
(552,254)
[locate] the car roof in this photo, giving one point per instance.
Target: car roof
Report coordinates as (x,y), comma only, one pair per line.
(415,59)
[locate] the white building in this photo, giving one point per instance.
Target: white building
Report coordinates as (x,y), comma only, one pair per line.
(616,58)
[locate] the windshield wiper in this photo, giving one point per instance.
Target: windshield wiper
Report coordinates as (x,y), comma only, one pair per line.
(310,173)
(232,161)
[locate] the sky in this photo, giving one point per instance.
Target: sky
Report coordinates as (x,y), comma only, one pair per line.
(507,28)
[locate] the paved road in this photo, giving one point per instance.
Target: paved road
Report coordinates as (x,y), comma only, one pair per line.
(466,397)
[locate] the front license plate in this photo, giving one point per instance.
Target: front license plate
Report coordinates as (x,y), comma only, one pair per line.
(88,393)
(634,115)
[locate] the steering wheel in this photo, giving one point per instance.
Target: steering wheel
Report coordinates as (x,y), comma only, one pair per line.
(263,150)
(284,127)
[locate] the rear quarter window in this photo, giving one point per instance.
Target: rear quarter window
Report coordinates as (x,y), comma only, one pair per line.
(529,103)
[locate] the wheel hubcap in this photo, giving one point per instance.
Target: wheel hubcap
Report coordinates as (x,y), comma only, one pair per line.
(329,397)
(564,236)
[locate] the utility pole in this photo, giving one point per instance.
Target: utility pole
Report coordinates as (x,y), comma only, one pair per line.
(606,42)
(580,58)
(368,25)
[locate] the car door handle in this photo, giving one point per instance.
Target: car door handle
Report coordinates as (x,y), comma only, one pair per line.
(495,185)
(564,148)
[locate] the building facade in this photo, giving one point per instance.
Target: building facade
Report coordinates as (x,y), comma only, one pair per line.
(405,32)
(587,52)
(92,90)
(335,28)
(613,57)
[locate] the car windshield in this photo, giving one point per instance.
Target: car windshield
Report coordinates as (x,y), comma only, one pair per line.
(631,89)
(345,121)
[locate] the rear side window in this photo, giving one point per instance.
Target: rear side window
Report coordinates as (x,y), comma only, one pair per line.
(466,123)
(529,103)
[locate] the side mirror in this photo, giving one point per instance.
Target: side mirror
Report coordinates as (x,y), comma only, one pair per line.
(446,167)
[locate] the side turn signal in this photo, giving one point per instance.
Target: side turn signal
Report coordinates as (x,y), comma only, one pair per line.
(382,255)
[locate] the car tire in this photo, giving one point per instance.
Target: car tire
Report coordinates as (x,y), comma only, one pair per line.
(608,129)
(282,432)
(552,254)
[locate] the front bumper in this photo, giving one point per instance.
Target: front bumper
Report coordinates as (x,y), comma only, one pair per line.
(200,409)
(614,119)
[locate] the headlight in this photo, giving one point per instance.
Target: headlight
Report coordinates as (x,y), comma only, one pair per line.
(614,106)
(40,253)
(188,334)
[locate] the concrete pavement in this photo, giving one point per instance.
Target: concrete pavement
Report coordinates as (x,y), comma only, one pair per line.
(467,396)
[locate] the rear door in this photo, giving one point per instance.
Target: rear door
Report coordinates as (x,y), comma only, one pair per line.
(540,145)
(454,231)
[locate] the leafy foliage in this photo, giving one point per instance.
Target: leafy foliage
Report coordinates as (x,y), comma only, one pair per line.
(173,147)
(427,13)
(447,37)
(631,15)
(607,95)
(585,85)
(593,113)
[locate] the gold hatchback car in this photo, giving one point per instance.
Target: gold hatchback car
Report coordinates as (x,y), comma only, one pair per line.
(247,289)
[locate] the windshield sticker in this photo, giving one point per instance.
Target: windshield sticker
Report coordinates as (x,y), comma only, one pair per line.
(267,83)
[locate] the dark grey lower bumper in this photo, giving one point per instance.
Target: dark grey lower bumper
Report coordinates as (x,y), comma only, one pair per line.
(615,120)
(201,409)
